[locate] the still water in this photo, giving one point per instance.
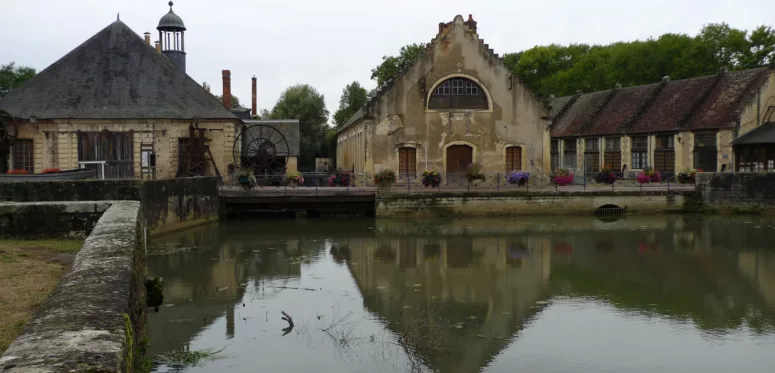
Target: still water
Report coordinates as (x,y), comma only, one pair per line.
(571,294)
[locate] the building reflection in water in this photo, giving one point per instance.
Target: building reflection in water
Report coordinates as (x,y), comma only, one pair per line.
(455,294)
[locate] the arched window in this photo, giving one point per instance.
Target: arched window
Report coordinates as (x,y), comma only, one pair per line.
(458,93)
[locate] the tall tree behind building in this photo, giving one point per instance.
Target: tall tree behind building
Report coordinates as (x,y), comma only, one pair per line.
(562,70)
(234,101)
(12,76)
(304,103)
(353,98)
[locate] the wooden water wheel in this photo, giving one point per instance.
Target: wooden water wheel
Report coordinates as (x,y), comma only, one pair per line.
(262,149)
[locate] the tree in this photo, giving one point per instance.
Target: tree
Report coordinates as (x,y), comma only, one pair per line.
(353,98)
(264,114)
(12,76)
(304,103)
(234,101)
(391,65)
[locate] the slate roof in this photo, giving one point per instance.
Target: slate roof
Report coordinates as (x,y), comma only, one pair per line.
(113,75)
(764,134)
(698,103)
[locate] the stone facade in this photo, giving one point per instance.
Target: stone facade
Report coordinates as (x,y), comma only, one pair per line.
(55,143)
(741,192)
(400,128)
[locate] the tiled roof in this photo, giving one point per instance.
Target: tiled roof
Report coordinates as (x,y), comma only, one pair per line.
(697,103)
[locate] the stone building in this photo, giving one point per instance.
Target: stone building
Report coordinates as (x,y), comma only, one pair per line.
(457,105)
(118,105)
(670,126)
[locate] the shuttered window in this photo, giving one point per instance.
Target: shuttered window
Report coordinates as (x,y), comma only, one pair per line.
(513,158)
(113,149)
(407,162)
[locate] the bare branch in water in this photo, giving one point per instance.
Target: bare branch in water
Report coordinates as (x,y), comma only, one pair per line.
(287,318)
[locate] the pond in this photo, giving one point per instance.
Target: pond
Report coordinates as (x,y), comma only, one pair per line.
(542,294)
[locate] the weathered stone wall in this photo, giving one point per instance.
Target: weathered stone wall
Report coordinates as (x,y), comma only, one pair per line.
(539,203)
(167,204)
(95,317)
(740,192)
(50,219)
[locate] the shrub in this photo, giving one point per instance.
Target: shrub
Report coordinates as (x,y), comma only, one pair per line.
(295,176)
(431,178)
(474,172)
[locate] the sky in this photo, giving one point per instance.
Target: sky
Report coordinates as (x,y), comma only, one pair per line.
(330,43)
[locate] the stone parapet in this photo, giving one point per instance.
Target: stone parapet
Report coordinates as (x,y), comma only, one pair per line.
(95,317)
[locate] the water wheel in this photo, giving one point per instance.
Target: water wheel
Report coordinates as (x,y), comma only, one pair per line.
(262,149)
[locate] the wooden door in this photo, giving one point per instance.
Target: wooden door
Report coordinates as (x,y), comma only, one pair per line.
(458,159)
(513,159)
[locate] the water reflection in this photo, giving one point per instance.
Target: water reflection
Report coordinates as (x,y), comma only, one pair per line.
(472,295)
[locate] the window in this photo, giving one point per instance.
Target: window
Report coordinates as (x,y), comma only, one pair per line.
(443,89)
(592,155)
(555,154)
(458,93)
(592,145)
(407,162)
(457,87)
(705,152)
(612,158)
(22,155)
(569,153)
(110,153)
(513,158)
(640,152)
(664,153)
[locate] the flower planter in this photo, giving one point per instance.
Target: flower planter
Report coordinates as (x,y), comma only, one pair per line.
(563,180)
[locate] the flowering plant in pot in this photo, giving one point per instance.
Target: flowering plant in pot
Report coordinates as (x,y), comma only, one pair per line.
(605,176)
(562,176)
(518,177)
(474,172)
(294,178)
(340,178)
(686,176)
(649,175)
(384,179)
(245,178)
(431,178)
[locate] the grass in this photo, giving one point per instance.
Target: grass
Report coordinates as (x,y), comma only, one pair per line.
(27,277)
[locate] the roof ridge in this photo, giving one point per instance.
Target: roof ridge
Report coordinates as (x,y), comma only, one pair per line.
(627,125)
(747,94)
(689,113)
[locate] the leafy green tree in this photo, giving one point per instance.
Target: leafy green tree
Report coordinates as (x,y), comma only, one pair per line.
(761,47)
(353,98)
(12,76)
(304,103)
(234,101)
(391,65)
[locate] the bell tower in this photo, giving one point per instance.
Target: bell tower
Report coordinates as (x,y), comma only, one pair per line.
(171,37)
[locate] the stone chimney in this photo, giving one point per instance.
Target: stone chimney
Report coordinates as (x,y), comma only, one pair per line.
(226,88)
(147,38)
(254,109)
(158,46)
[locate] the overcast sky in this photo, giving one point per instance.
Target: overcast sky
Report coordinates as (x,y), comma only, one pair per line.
(330,43)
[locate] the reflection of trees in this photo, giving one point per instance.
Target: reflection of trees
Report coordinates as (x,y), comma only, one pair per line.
(707,289)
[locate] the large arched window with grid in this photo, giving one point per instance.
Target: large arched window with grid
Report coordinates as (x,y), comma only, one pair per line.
(458,93)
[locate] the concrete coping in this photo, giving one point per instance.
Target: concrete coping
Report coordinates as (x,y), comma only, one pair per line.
(86,323)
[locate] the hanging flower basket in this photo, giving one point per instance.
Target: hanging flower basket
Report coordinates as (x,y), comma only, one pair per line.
(518,177)
(339,179)
(562,177)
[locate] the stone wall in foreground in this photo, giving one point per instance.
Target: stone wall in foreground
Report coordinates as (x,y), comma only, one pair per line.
(738,192)
(50,219)
(167,205)
(94,319)
(533,203)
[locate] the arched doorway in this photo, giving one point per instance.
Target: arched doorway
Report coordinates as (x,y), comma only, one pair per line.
(458,159)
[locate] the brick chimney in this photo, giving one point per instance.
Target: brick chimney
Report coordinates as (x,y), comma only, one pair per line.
(226,88)
(147,38)
(254,109)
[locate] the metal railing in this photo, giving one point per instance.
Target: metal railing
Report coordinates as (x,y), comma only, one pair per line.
(455,182)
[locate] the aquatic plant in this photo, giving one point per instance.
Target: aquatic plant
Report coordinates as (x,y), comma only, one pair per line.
(189,358)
